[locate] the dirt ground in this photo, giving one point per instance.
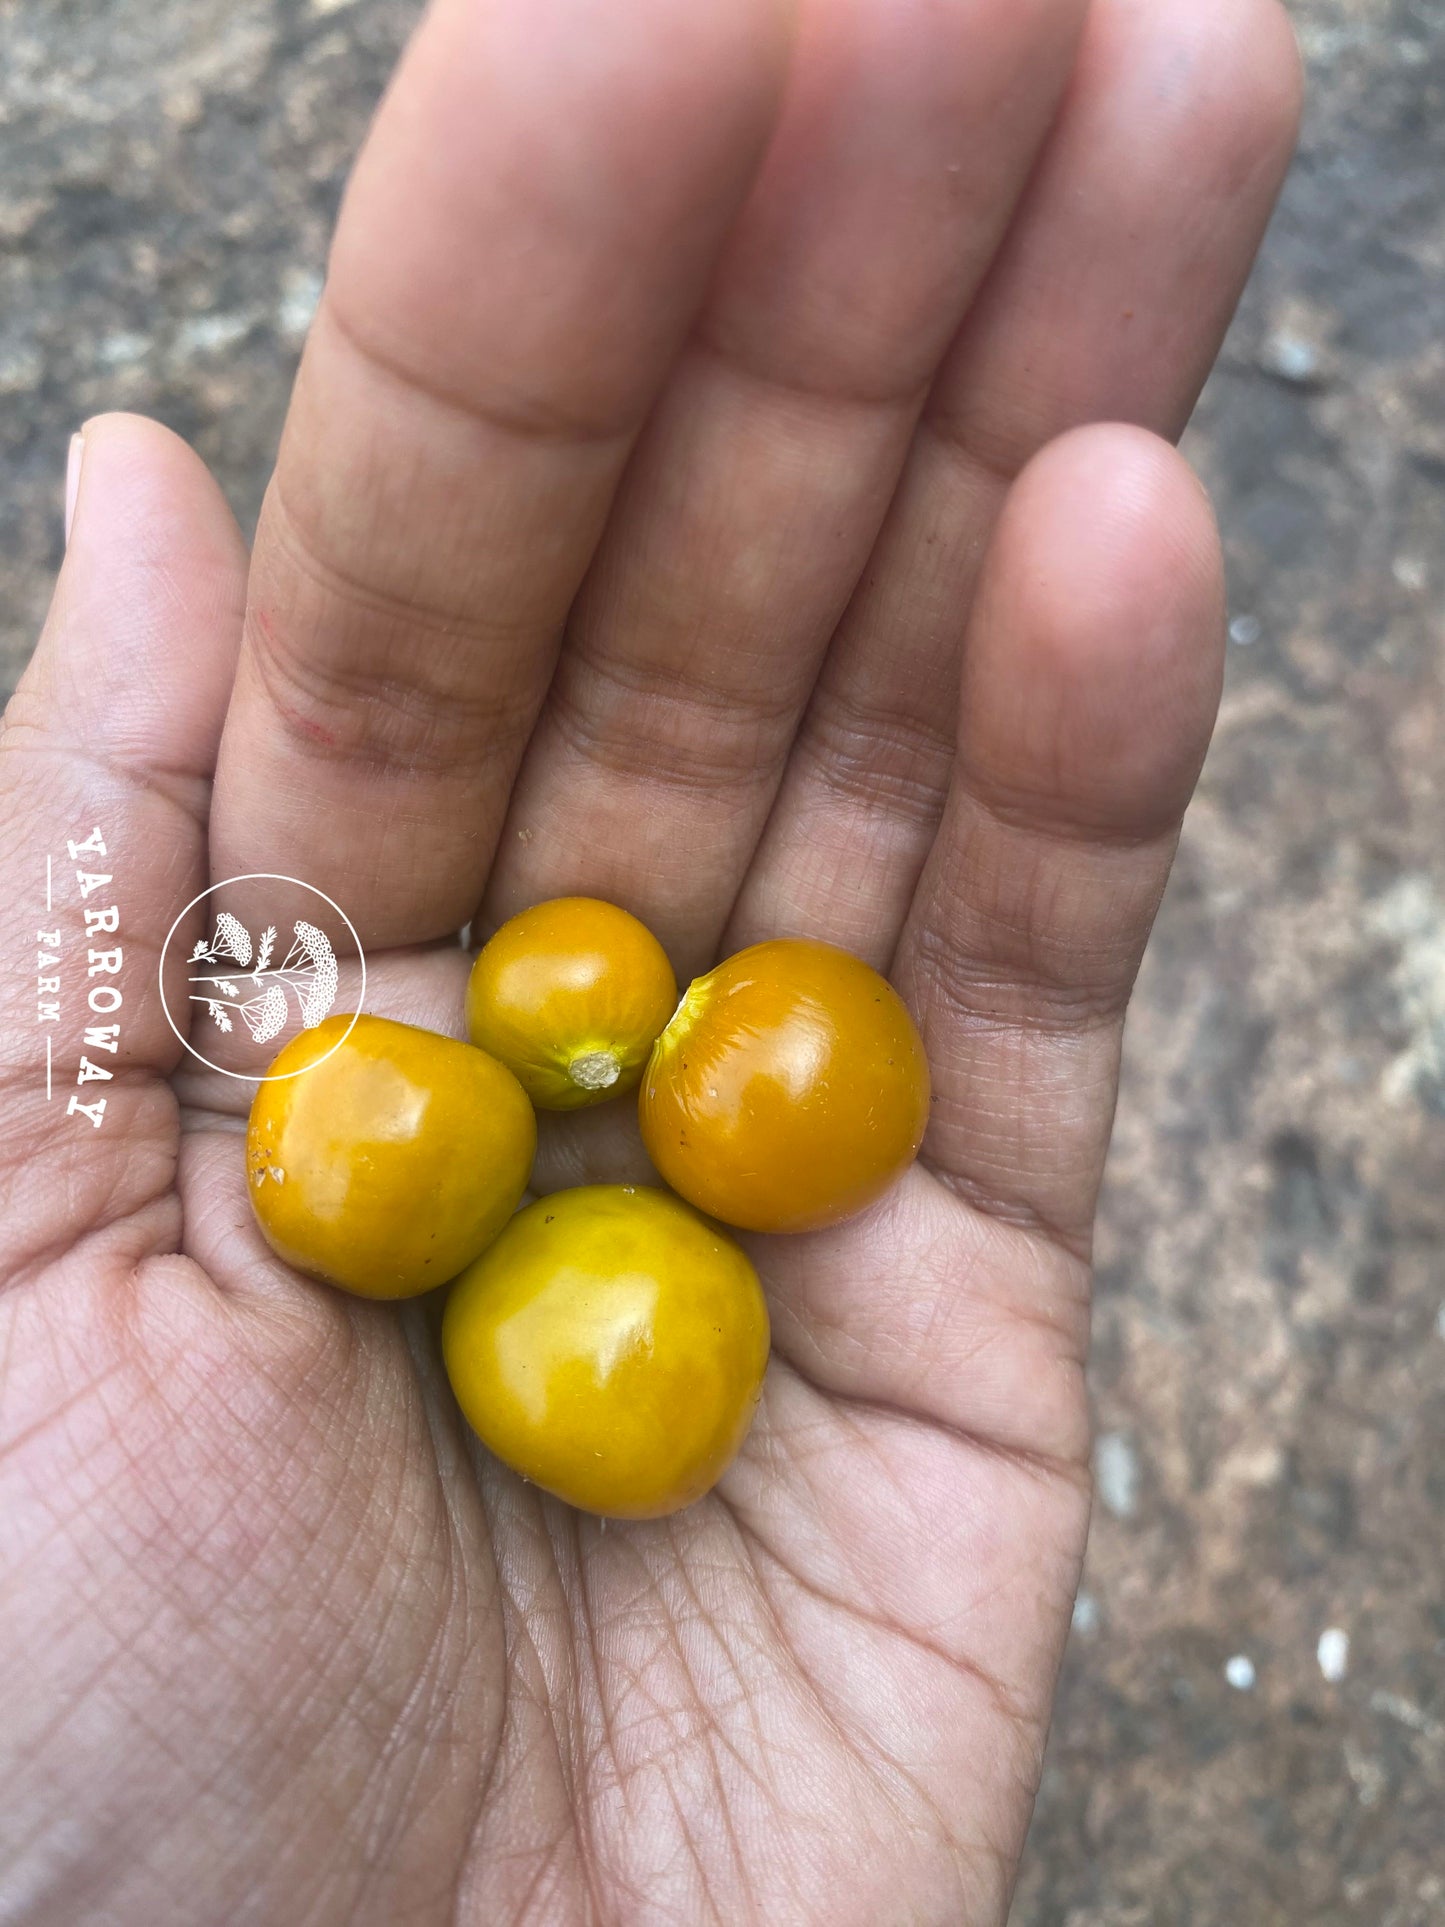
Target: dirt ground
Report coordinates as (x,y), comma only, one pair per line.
(1251,1728)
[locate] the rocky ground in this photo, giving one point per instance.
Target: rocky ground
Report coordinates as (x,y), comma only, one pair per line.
(1252,1722)
(1269,1362)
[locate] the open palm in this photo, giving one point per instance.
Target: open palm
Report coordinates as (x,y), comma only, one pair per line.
(661,469)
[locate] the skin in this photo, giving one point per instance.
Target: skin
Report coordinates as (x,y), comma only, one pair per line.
(666,480)
(610,1346)
(789,1091)
(571,995)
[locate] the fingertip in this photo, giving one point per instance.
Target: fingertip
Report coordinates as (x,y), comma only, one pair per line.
(1127,517)
(1264,71)
(1287,69)
(1228,76)
(140,642)
(1094,664)
(137,481)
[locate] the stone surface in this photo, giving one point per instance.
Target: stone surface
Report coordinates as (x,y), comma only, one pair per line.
(172,171)
(1270,1355)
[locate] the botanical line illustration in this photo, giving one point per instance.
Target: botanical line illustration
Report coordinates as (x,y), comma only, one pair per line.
(259,994)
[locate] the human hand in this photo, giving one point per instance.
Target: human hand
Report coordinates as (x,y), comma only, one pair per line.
(279,1644)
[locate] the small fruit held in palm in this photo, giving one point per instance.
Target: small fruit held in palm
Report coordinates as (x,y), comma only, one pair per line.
(571,996)
(789,1090)
(387,1163)
(610,1346)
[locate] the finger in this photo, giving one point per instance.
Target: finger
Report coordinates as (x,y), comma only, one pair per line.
(907,134)
(1090,679)
(113,729)
(523,244)
(1108,302)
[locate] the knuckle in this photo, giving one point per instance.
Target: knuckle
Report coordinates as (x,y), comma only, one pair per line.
(654,725)
(356,676)
(1019,956)
(878,754)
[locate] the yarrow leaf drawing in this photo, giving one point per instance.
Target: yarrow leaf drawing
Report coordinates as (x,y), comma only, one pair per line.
(262,998)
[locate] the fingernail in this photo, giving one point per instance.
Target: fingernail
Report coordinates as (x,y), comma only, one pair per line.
(72,478)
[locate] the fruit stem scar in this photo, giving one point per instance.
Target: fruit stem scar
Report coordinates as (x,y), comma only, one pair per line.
(595,1070)
(690,1003)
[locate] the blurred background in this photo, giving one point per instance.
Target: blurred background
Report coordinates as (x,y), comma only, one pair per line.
(1251,1726)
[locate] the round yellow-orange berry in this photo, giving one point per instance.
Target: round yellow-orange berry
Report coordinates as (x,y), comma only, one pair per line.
(789,1090)
(391,1160)
(610,1346)
(570,995)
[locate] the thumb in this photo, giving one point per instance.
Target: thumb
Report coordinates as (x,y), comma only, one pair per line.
(106,757)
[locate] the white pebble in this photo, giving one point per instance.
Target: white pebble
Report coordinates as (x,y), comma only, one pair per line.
(116,350)
(1333,1653)
(1239,1671)
(1244,631)
(1290,356)
(300,298)
(1086,1613)
(1116,1470)
(209,334)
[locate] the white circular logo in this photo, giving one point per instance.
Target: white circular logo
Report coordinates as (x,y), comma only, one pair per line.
(238,979)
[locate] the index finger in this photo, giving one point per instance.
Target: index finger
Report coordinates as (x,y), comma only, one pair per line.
(524,242)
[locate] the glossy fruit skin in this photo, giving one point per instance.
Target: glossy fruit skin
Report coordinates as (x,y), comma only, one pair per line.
(789,1091)
(610,1346)
(388,1167)
(570,995)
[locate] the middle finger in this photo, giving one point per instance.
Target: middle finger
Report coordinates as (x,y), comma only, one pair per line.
(907,133)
